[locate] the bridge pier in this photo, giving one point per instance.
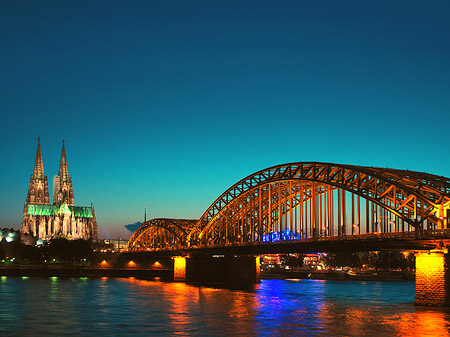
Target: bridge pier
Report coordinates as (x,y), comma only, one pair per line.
(179,268)
(222,269)
(433,278)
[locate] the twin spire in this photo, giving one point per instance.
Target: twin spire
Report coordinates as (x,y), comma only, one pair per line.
(39,164)
(62,183)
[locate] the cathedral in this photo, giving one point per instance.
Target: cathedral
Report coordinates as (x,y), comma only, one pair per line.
(45,221)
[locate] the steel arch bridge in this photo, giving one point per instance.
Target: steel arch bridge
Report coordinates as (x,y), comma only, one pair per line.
(311,200)
(162,234)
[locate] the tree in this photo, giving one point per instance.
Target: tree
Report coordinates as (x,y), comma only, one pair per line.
(62,249)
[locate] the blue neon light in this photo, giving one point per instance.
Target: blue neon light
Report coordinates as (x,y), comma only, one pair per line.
(285,236)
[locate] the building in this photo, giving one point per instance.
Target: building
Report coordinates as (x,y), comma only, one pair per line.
(62,218)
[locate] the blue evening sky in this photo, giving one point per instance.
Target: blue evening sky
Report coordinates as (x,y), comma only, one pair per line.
(166,104)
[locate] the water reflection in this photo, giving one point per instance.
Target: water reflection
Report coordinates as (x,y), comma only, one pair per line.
(423,322)
(120,307)
(192,309)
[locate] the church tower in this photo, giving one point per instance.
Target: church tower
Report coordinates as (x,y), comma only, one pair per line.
(38,192)
(62,183)
(63,218)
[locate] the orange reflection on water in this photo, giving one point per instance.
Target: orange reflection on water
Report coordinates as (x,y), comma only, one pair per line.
(422,322)
(184,303)
(241,306)
(355,322)
(181,297)
(366,321)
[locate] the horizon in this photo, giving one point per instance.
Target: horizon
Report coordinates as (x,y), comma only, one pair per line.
(167,105)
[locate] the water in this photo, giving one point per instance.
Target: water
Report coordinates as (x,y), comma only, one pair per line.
(121,307)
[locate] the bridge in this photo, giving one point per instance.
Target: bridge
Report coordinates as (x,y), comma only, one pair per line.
(312,206)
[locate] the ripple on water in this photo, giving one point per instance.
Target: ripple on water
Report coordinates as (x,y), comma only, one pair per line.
(121,307)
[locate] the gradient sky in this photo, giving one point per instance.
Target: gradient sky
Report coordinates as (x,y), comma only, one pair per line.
(166,104)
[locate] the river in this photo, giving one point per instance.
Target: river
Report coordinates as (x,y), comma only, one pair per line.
(123,307)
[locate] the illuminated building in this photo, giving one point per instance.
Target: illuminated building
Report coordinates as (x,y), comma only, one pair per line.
(45,221)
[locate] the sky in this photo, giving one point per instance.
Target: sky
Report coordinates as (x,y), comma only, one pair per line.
(167,104)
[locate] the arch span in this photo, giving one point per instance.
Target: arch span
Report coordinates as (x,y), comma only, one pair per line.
(313,199)
(162,233)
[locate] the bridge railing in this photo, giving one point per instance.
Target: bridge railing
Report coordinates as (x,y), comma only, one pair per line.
(427,234)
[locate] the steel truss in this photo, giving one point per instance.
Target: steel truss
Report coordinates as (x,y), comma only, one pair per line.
(162,234)
(310,200)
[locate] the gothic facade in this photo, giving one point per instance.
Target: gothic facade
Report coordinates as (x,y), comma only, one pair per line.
(44,220)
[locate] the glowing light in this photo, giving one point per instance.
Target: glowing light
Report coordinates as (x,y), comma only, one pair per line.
(258,266)
(429,262)
(131,264)
(104,263)
(286,235)
(179,265)
(430,270)
(157,265)
(84,212)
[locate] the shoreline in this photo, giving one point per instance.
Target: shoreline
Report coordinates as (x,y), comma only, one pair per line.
(341,275)
(166,274)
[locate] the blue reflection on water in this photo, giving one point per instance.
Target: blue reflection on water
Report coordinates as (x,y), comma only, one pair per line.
(317,307)
(121,307)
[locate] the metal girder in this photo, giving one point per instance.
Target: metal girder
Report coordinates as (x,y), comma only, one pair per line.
(411,196)
(178,228)
(271,201)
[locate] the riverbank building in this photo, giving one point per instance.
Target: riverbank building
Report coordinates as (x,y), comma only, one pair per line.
(43,220)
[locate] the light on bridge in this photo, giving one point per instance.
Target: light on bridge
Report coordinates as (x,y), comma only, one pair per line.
(157,265)
(179,268)
(431,271)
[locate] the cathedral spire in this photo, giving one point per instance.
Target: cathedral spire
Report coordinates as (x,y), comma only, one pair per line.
(62,183)
(38,164)
(63,170)
(38,192)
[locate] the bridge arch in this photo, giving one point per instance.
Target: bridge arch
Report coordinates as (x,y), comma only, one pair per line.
(246,211)
(162,233)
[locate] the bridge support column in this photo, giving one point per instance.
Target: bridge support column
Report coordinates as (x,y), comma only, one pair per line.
(179,268)
(433,278)
(222,269)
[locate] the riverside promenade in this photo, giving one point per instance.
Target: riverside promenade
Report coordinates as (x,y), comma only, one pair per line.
(39,271)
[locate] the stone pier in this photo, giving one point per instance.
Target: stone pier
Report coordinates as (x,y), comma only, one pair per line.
(433,278)
(222,269)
